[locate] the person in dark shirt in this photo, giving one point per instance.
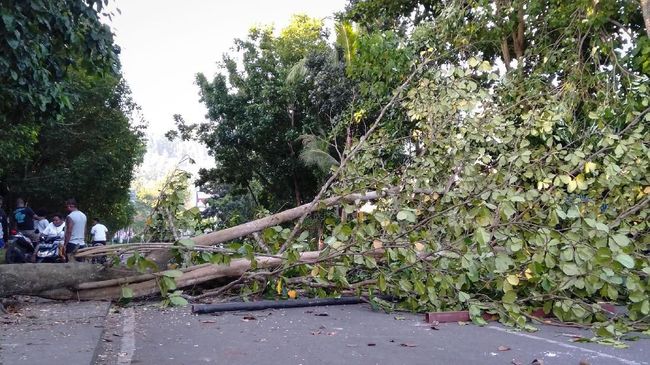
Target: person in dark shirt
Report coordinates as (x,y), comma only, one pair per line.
(4,225)
(23,219)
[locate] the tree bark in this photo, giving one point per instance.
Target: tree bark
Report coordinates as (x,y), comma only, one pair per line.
(505,47)
(273,220)
(97,291)
(32,279)
(518,35)
(645,10)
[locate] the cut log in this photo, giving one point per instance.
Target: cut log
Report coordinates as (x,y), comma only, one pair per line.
(32,279)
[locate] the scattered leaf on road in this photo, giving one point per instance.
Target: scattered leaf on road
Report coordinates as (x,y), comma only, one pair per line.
(406,344)
(503,348)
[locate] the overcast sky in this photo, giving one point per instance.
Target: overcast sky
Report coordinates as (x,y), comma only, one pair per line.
(165,43)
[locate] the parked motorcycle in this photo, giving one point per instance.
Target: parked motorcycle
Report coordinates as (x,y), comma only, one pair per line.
(20,249)
(49,250)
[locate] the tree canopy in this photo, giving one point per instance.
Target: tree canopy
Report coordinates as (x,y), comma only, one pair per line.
(42,40)
(258,113)
(68,125)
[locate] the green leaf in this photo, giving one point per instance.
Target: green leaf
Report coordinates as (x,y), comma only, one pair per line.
(625,260)
(502,263)
(517,199)
(508,209)
(167,284)
(602,227)
(484,217)
(569,268)
(178,301)
(381,281)
(573,212)
(406,215)
(621,240)
(173,273)
(509,297)
(463,297)
(637,296)
(482,236)
(405,285)
(127,292)
(186,242)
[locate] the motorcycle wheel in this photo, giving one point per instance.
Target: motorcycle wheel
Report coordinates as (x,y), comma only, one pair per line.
(14,256)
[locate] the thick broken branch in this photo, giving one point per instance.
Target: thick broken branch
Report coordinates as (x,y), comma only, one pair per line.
(275,219)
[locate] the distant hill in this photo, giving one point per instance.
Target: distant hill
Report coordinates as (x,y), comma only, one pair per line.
(163,156)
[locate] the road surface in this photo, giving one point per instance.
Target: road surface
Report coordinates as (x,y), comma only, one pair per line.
(96,333)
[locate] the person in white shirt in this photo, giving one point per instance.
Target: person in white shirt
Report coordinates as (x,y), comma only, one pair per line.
(75,230)
(41,223)
(98,233)
(53,234)
(56,228)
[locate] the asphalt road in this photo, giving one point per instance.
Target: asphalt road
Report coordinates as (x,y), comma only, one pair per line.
(352,334)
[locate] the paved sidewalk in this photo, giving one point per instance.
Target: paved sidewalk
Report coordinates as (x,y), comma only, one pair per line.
(51,333)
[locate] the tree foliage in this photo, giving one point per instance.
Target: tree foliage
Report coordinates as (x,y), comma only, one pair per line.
(90,154)
(257,113)
(41,42)
(537,172)
(68,124)
(512,170)
(523,178)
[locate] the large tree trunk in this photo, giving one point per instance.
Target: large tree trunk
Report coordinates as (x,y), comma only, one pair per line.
(112,289)
(32,279)
(645,10)
(518,36)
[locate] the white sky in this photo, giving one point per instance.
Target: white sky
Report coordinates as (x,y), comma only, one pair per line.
(165,43)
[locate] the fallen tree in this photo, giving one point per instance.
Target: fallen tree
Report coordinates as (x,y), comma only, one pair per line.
(95,282)
(147,284)
(539,197)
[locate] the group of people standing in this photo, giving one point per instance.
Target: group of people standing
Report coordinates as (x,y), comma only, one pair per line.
(71,229)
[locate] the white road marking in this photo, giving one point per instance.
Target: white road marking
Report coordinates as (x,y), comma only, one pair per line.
(127,346)
(566,345)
